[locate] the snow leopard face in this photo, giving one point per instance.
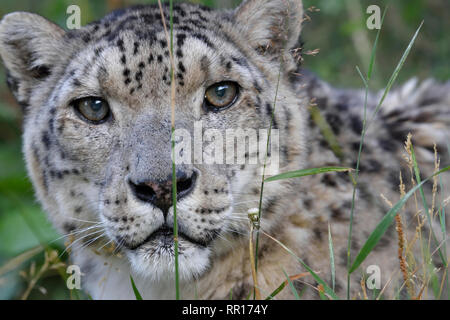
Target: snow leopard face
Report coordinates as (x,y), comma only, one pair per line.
(97,134)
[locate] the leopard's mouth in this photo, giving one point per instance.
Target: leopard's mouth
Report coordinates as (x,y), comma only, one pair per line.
(164,238)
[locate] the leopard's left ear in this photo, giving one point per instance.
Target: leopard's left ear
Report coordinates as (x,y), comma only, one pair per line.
(30,46)
(270,25)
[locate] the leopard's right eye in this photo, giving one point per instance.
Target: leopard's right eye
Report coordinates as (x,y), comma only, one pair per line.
(92,109)
(221,95)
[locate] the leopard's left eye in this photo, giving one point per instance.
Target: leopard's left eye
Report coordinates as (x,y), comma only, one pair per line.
(221,95)
(92,109)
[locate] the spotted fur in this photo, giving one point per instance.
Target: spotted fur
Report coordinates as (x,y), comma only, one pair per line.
(81,171)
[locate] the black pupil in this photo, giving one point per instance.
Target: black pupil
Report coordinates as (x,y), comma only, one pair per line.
(96,105)
(221,90)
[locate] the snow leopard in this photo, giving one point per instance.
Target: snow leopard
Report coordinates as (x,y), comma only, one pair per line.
(97,130)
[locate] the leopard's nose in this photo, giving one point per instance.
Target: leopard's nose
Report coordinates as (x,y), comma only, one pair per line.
(159,193)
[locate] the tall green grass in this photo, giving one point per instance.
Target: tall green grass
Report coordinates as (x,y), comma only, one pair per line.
(364,130)
(388,219)
(172,141)
(361,143)
(174,177)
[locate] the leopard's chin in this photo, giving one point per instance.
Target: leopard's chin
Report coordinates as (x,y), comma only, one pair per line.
(155,258)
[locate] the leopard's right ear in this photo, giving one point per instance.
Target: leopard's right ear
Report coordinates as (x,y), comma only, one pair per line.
(29,47)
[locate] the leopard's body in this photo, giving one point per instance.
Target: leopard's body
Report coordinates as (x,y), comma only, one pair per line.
(82,171)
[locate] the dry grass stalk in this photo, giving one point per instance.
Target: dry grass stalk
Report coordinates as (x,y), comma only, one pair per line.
(252,263)
(401,245)
(401,258)
(320,289)
(437,163)
(418,234)
(363,287)
(409,160)
(51,262)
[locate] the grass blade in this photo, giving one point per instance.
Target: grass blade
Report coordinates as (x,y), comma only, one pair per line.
(174,178)
(381,228)
(395,73)
(276,291)
(444,236)
(425,204)
(327,289)
(365,128)
(169,39)
(374,48)
(135,290)
(306,172)
(284,284)
(291,285)
(332,266)
(265,163)
(366,84)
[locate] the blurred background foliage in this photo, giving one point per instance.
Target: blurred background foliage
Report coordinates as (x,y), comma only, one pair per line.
(336,28)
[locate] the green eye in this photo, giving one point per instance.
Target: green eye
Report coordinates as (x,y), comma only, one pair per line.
(221,95)
(92,109)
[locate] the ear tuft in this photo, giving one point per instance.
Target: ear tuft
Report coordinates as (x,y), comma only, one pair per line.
(29,47)
(271,25)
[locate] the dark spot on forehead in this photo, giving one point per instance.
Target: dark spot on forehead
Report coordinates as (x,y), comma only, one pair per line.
(204,39)
(240,61)
(97,51)
(181,37)
(136,48)
(181,67)
(76,82)
(120,45)
(86,38)
(179,53)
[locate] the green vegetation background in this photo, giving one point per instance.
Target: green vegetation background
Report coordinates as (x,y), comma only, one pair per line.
(338,30)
